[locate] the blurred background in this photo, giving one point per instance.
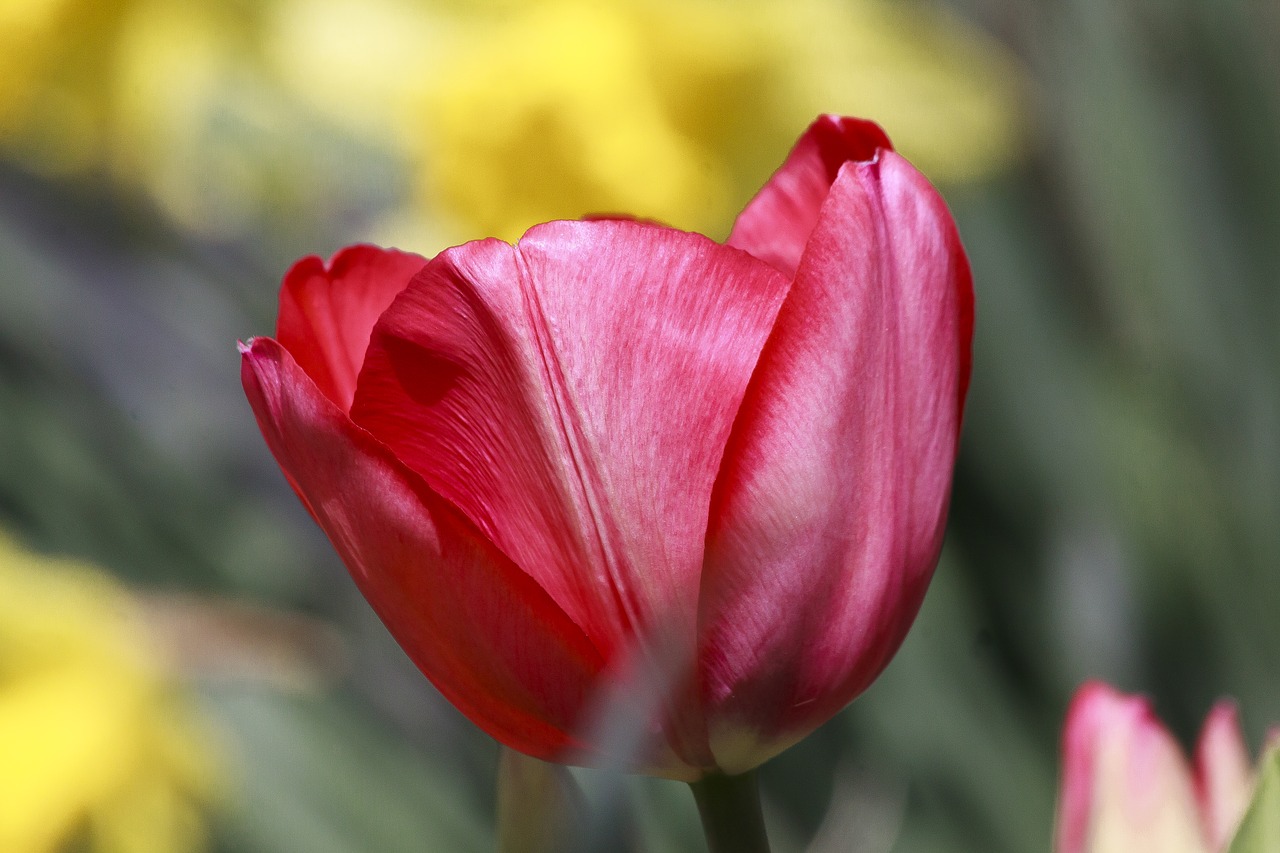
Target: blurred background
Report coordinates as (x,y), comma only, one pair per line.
(184,664)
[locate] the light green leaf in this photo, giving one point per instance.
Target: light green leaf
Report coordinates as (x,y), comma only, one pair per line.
(1259,832)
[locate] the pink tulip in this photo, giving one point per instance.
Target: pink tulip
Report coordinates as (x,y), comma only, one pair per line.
(616,445)
(1127,787)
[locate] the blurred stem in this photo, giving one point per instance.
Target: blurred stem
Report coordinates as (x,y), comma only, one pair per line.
(731,816)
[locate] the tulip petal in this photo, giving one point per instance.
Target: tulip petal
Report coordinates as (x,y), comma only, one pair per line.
(829,511)
(1126,786)
(1223,774)
(776,224)
(328,311)
(475,624)
(572,395)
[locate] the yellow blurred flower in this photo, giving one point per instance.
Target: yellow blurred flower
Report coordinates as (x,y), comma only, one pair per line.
(53,92)
(96,748)
(168,97)
(671,109)
(500,113)
(198,124)
(557,114)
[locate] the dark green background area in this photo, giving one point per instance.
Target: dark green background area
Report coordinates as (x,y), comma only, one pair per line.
(1115,511)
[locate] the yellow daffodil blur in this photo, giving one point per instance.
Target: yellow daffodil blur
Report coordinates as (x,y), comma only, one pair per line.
(500,113)
(97,752)
(513,113)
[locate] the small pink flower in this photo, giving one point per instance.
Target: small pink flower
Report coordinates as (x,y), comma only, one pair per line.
(615,444)
(1127,786)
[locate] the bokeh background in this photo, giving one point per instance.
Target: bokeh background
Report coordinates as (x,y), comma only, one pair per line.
(184,664)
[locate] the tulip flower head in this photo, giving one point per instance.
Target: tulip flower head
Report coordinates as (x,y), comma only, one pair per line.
(1128,788)
(554,465)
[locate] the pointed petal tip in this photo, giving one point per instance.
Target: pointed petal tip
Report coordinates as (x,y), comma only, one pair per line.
(1221,735)
(777,222)
(1093,689)
(1221,724)
(261,361)
(328,311)
(1226,709)
(1097,715)
(257,347)
(1224,775)
(856,139)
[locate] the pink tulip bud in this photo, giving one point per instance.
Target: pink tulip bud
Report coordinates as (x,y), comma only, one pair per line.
(616,448)
(1127,786)
(1224,775)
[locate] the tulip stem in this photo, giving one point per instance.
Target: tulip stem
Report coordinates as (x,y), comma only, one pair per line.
(731,816)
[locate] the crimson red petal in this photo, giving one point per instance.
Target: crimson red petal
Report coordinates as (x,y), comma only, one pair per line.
(478,627)
(328,311)
(573,395)
(829,512)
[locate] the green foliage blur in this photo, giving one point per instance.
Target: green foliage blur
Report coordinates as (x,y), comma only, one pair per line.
(1116,512)
(1260,828)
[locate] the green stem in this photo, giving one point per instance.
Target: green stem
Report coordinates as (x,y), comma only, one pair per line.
(731,816)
